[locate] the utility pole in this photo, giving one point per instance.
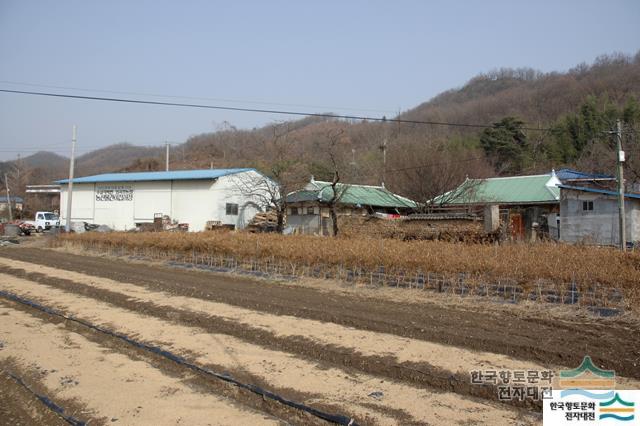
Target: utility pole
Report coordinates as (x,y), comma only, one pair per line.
(18,166)
(384,160)
(6,185)
(70,185)
(166,156)
(384,149)
(620,156)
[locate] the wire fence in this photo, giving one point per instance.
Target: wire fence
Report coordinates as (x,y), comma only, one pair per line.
(601,299)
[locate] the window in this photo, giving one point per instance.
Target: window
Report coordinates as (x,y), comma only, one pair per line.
(294,211)
(587,206)
(232,209)
(310,210)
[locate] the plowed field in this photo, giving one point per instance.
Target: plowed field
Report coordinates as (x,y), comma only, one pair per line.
(115,342)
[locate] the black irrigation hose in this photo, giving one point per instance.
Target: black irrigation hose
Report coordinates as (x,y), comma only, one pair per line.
(334,418)
(48,402)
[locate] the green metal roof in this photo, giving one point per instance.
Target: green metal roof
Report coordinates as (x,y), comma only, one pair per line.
(363,195)
(534,189)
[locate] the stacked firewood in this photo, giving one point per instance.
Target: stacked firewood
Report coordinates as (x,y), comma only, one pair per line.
(264,222)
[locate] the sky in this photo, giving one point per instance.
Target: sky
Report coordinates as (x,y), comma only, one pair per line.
(371,58)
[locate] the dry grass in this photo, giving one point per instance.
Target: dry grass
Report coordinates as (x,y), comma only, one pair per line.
(523,263)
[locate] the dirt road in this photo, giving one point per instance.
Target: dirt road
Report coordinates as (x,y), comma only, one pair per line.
(370,359)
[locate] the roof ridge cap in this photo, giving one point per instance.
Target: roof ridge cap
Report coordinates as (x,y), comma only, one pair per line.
(353,184)
(515,177)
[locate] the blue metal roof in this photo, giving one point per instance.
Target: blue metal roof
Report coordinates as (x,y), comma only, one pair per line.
(570,174)
(598,191)
(153,176)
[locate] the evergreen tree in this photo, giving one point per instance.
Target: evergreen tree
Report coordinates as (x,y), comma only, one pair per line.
(506,145)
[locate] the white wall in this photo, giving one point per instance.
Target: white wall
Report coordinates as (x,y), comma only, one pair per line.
(118,213)
(187,201)
(192,202)
(151,198)
(597,226)
(82,203)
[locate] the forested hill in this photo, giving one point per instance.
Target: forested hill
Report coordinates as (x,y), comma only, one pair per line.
(574,111)
(534,97)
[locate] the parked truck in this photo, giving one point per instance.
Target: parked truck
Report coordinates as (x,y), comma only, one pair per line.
(44,221)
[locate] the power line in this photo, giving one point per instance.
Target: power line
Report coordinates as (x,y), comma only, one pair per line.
(258,110)
(156,95)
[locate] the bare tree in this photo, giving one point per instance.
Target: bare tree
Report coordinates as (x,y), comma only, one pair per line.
(423,170)
(333,138)
(263,191)
(285,172)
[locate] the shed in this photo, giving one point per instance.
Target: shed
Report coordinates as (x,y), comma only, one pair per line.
(43,197)
(591,215)
(308,208)
(124,200)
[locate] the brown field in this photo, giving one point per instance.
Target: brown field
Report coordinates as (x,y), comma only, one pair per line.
(377,356)
(523,263)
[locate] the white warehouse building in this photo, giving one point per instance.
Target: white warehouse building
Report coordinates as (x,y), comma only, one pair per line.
(123,200)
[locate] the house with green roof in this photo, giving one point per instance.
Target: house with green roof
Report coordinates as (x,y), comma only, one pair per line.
(308,210)
(504,191)
(524,202)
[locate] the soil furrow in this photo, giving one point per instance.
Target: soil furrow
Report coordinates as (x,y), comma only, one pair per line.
(85,375)
(514,335)
(331,386)
(19,407)
(369,352)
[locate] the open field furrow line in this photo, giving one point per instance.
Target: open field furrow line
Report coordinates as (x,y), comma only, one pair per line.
(330,386)
(419,362)
(419,373)
(515,333)
(21,405)
(333,418)
(46,401)
(81,373)
(199,383)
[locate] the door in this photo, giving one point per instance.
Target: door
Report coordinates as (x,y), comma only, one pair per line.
(516,224)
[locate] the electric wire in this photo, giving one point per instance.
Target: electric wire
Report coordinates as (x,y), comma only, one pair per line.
(199,98)
(260,110)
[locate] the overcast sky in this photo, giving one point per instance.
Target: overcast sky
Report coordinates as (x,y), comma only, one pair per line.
(356,57)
